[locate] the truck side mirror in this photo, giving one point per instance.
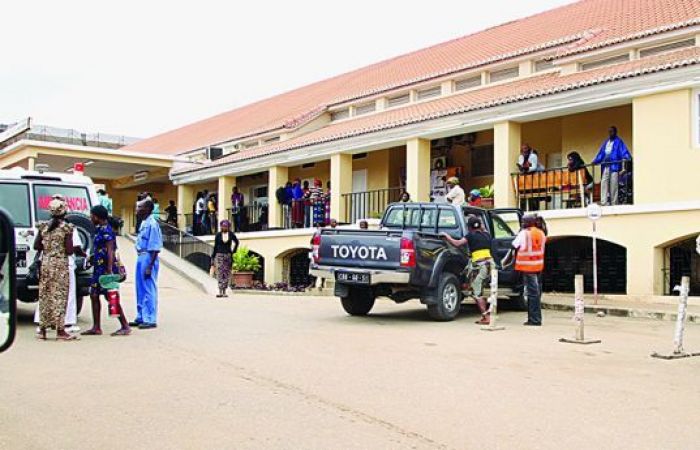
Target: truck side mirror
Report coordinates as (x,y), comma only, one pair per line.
(8,276)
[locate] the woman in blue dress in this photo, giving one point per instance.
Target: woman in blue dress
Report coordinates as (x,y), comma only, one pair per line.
(104,261)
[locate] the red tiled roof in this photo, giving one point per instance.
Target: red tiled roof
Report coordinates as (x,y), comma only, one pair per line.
(537,86)
(572,28)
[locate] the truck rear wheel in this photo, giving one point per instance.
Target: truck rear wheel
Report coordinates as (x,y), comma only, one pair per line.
(449,298)
(359,302)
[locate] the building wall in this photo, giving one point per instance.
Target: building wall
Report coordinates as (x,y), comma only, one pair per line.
(377,166)
(545,136)
(124,200)
(645,236)
(460,156)
(322,171)
(666,164)
(585,132)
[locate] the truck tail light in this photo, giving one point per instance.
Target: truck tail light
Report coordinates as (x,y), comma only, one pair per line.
(408,253)
(315,246)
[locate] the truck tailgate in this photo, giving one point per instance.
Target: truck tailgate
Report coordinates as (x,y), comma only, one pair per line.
(370,249)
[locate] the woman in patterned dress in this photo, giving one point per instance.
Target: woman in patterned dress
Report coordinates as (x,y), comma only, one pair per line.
(55,242)
(221,256)
(104,262)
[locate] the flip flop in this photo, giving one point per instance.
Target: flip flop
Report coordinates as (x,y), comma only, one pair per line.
(121,332)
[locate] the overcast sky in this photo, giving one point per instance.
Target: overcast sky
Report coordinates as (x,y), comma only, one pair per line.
(139,68)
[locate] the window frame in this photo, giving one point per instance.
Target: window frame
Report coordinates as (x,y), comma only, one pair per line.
(68,186)
(30,213)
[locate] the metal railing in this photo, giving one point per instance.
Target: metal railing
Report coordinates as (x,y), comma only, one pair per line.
(186,246)
(369,204)
(305,213)
(563,188)
(69,136)
(252,217)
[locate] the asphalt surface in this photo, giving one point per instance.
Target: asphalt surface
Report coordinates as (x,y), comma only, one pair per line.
(296,372)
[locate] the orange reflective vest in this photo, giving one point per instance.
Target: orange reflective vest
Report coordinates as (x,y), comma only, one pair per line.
(530,256)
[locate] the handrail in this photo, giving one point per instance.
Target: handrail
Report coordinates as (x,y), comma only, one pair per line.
(589,165)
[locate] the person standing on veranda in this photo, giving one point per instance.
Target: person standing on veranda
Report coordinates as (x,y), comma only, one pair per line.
(55,242)
(225,245)
(610,157)
(529,245)
(149,243)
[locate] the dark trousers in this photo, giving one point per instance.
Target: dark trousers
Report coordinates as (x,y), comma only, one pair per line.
(533,292)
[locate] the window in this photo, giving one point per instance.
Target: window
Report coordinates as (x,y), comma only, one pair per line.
(340,114)
(365,109)
(651,51)
(447,219)
(468,83)
(605,62)
(504,74)
(308,166)
(76,197)
(501,228)
(543,64)
(272,139)
(482,160)
(429,218)
(15,199)
(250,144)
(429,93)
(396,216)
(359,155)
(399,100)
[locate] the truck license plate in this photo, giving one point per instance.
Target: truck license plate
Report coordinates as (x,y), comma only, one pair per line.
(353,277)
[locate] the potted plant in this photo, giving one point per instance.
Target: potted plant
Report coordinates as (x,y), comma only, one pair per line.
(244,267)
(486,196)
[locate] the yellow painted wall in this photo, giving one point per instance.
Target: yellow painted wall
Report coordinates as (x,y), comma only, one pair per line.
(545,136)
(397,165)
(585,132)
(377,166)
(644,235)
(666,164)
(322,171)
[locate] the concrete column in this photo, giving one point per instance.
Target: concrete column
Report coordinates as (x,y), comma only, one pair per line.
(341,183)
(31,163)
(226,184)
(273,269)
(185,200)
(418,169)
(506,148)
(277,176)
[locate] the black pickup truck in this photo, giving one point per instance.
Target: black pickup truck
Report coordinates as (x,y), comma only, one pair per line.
(406,258)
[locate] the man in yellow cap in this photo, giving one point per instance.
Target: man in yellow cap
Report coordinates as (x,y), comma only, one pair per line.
(455,194)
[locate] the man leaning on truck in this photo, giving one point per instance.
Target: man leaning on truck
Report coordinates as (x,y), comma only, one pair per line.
(479,242)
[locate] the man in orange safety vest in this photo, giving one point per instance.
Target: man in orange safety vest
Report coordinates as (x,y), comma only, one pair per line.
(529,260)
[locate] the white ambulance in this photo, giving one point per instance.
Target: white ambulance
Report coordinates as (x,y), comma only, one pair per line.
(25,195)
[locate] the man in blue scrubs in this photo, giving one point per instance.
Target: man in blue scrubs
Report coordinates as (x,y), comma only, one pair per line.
(149,242)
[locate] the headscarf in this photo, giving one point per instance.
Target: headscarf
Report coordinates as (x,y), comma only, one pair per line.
(57,207)
(225,223)
(453,181)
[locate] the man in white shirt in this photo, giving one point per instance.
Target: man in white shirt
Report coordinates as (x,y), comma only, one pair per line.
(527,161)
(455,194)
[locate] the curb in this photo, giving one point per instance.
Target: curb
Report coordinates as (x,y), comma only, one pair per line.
(282,293)
(624,312)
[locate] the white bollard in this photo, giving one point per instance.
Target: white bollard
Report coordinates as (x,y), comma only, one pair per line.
(493,302)
(579,310)
(678,351)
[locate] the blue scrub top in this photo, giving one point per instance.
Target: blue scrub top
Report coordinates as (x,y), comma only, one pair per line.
(149,238)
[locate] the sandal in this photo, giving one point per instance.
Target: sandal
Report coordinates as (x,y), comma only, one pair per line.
(92,332)
(69,337)
(41,335)
(122,332)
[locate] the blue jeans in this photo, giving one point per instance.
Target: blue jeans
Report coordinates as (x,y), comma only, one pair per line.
(533,292)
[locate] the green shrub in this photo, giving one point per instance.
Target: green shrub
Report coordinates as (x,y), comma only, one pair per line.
(243,261)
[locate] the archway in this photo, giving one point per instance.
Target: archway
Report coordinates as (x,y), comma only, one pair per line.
(681,259)
(568,256)
(295,267)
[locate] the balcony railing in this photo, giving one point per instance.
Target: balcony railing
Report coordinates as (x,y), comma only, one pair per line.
(305,213)
(369,204)
(251,217)
(562,188)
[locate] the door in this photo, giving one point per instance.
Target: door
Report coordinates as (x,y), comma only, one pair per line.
(359,203)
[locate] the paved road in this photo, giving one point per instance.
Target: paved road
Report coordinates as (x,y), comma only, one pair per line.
(289,372)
